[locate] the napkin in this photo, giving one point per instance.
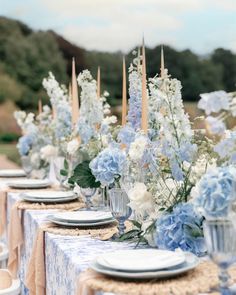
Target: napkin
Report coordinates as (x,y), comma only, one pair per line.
(15,240)
(3,209)
(82,288)
(35,275)
(5,280)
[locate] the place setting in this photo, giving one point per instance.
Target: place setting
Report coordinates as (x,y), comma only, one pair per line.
(144,263)
(12,173)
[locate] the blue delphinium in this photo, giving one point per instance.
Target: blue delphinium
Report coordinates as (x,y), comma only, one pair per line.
(108,165)
(85,131)
(182,228)
(215,192)
(25,144)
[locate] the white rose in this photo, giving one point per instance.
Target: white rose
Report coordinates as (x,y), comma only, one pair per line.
(35,159)
(47,152)
(137,148)
(141,201)
(72,146)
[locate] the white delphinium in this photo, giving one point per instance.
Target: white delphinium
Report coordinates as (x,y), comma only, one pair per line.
(91,107)
(25,121)
(137,148)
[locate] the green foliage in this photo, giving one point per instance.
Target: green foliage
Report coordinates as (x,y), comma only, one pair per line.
(9,137)
(83,176)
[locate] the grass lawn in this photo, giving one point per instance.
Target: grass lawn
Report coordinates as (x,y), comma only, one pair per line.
(10,151)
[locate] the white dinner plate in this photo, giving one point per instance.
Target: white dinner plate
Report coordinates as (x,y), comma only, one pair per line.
(12,173)
(48,194)
(191,261)
(79,224)
(29,183)
(53,200)
(83,216)
(141,259)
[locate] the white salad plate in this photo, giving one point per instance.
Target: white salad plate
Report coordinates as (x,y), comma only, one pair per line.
(49,196)
(83,216)
(191,261)
(29,183)
(79,224)
(12,173)
(141,259)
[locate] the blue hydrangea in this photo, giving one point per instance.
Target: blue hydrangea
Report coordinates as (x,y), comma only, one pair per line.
(63,126)
(215,192)
(108,165)
(182,228)
(226,148)
(126,135)
(25,144)
(85,131)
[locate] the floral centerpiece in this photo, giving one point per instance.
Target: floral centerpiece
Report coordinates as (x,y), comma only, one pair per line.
(94,130)
(163,166)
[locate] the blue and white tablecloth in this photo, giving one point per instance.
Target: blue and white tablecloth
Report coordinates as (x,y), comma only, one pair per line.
(66,256)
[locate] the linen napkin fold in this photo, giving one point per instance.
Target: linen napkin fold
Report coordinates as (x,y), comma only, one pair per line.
(35,276)
(5,279)
(3,209)
(82,287)
(15,240)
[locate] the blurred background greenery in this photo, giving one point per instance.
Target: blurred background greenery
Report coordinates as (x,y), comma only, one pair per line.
(26,57)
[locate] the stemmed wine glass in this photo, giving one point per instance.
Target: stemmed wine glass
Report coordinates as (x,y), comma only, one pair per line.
(220,237)
(88,193)
(119,207)
(27,165)
(58,163)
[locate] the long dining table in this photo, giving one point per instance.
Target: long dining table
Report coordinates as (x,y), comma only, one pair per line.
(65,256)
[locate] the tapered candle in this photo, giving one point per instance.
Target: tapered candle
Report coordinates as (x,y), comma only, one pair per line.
(144,119)
(124,95)
(40,107)
(99,83)
(162,62)
(74,95)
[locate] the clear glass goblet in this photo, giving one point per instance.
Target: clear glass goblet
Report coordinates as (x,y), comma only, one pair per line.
(58,163)
(88,193)
(220,237)
(27,165)
(119,207)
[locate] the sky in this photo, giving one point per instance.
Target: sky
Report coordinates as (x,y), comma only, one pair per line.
(111,25)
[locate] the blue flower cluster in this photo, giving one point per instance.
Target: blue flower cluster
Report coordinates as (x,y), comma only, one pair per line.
(177,155)
(25,144)
(108,165)
(216,192)
(226,148)
(182,228)
(85,130)
(63,123)
(126,135)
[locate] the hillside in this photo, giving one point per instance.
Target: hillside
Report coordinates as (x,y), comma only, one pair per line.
(26,56)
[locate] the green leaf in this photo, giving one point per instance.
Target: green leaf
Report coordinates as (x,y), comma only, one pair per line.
(63,172)
(136,223)
(129,235)
(83,176)
(66,165)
